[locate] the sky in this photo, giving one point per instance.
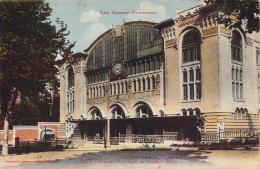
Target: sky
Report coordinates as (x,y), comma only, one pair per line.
(86,19)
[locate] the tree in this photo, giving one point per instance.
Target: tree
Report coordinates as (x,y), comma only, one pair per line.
(29,44)
(245,12)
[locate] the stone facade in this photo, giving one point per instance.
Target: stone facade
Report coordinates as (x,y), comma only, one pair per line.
(193,75)
(216,103)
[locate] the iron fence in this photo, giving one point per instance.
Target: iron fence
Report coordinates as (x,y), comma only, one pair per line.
(136,138)
(43,142)
(230,134)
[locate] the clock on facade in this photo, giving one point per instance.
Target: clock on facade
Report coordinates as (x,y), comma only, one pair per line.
(117,68)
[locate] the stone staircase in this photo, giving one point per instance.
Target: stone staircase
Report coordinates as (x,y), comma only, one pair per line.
(62,130)
(76,133)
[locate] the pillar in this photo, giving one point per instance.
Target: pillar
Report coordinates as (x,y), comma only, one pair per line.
(105,130)
(115,114)
(129,132)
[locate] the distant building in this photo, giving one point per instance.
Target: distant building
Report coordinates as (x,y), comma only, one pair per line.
(150,78)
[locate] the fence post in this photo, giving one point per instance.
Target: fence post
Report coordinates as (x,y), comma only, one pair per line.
(45,134)
(17,142)
(163,134)
(56,141)
(220,139)
(240,133)
(219,134)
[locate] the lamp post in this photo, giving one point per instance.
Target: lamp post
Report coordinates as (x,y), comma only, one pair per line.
(117,70)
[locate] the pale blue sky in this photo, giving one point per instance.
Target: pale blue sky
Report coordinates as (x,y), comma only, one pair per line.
(85,22)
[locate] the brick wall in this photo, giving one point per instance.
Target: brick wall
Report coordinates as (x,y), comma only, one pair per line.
(30,133)
(26,133)
(50,125)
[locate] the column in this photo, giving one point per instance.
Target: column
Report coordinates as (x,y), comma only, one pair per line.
(141,85)
(129,132)
(195,84)
(115,114)
(94,116)
(141,113)
(105,130)
(188,85)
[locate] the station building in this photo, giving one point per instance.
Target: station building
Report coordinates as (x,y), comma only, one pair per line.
(149,78)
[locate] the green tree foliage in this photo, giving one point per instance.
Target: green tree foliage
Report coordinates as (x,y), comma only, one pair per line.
(29,44)
(247,12)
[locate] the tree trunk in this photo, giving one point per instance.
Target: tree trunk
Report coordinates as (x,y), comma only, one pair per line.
(7,113)
(5,138)
(52,101)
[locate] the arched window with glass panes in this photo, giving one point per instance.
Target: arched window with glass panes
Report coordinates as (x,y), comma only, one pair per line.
(191,47)
(237,66)
(70,90)
(191,73)
(236,47)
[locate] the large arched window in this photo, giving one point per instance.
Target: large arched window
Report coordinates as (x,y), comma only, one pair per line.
(96,115)
(70,91)
(135,43)
(70,78)
(191,73)
(144,111)
(117,113)
(237,66)
(236,47)
(191,47)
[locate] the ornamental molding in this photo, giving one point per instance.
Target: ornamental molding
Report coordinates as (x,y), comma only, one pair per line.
(188,20)
(225,31)
(170,42)
(210,31)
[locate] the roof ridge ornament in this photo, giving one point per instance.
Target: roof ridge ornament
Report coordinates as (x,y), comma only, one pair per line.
(118,31)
